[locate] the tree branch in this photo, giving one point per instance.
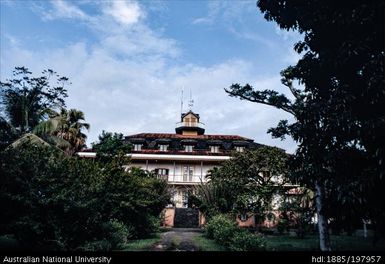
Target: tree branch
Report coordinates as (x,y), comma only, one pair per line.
(293,90)
(267,97)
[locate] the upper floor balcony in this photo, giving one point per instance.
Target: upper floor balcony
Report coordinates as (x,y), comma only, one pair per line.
(191,124)
(190,128)
(178,179)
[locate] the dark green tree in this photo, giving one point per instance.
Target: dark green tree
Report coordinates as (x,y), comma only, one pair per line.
(8,134)
(110,145)
(50,199)
(244,184)
(340,108)
(27,100)
(296,211)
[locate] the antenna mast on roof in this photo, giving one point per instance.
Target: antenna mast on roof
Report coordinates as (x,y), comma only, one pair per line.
(191,101)
(181,102)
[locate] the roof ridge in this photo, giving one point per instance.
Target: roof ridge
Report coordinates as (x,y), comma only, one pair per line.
(201,137)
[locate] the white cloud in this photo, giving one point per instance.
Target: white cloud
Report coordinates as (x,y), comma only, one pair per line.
(111,15)
(214,8)
(9,3)
(125,13)
(231,14)
(138,42)
(288,34)
(119,27)
(11,39)
(254,36)
(134,96)
(124,82)
(63,9)
(202,20)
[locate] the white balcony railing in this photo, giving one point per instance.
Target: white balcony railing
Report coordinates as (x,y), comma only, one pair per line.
(183,179)
(190,124)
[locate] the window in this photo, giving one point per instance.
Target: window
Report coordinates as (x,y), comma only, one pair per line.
(188,148)
(240,149)
(188,172)
(162,173)
(163,147)
(214,149)
(137,147)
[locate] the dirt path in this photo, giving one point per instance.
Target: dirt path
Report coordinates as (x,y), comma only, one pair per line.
(177,239)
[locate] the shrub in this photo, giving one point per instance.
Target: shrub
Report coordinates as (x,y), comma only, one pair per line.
(153,224)
(220,228)
(116,233)
(47,197)
(245,241)
(227,233)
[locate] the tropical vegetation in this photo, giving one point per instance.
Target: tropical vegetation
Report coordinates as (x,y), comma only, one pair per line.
(52,199)
(246,184)
(337,106)
(36,105)
(225,231)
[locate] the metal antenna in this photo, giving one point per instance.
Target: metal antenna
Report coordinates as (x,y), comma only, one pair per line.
(191,101)
(181,102)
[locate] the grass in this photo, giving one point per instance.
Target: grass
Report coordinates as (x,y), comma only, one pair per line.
(274,243)
(205,244)
(339,243)
(141,244)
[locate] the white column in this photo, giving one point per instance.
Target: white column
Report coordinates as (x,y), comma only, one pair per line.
(201,171)
(173,179)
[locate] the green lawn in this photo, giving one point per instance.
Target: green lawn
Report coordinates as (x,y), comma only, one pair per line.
(205,244)
(141,244)
(274,243)
(289,243)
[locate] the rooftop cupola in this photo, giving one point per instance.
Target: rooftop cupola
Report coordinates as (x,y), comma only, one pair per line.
(190,125)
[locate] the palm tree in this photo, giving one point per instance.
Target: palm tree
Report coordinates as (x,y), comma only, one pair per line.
(65,126)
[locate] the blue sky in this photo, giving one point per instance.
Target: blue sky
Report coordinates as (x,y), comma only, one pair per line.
(129,60)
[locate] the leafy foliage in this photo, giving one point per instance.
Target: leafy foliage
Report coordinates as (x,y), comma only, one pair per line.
(296,211)
(8,134)
(211,198)
(245,241)
(47,196)
(220,228)
(64,126)
(339,111)
(110,145)
(227,233)
(245,183)
(26,100)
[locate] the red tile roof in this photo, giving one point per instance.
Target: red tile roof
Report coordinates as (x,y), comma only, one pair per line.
(169,135)
(182,152)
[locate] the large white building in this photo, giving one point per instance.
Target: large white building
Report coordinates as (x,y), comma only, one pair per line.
(183,158)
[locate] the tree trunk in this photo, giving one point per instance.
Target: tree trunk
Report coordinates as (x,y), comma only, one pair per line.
(324,238)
